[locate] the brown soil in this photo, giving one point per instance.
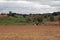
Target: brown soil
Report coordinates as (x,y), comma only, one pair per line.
(29,32)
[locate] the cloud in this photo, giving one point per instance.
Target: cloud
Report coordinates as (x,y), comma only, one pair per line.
(29,6)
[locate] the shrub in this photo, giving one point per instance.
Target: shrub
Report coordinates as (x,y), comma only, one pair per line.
(51,18)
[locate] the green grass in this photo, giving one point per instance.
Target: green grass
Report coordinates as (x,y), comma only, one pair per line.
(19,20)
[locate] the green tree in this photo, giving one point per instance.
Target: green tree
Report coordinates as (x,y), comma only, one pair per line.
(11,14)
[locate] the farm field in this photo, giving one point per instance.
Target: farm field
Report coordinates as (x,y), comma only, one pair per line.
(29,32)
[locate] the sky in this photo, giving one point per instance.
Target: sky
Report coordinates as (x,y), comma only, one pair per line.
(29,6)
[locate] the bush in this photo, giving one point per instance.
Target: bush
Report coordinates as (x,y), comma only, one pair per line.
(51,18)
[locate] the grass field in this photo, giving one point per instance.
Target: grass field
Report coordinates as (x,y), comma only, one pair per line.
(20,20)
(29,32)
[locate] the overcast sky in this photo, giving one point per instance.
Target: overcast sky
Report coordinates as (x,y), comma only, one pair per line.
(29,6)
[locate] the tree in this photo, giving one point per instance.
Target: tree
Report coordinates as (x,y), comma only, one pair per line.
(24,15)
(11,14)
(54,14)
